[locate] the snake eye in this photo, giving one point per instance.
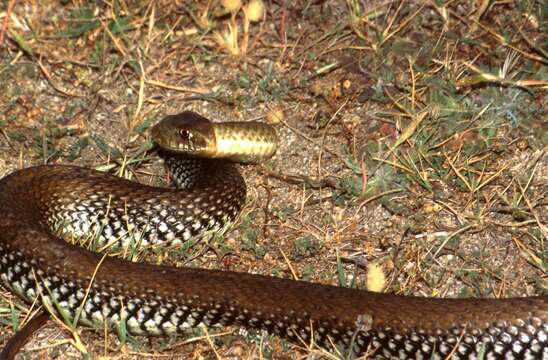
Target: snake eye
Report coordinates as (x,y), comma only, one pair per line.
(185,134)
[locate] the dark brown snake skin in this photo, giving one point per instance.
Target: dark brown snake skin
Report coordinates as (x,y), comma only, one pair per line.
(16,342)
(162,300)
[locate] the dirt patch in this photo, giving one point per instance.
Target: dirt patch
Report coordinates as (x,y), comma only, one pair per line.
(411,136)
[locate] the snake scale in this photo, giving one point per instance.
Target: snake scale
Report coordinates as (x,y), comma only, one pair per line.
(39,204)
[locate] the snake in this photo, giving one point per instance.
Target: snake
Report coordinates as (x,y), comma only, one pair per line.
(42,207)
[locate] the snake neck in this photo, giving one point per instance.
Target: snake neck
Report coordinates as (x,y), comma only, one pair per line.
(193,174)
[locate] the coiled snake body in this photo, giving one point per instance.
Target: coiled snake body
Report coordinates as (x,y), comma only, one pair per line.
(39,202)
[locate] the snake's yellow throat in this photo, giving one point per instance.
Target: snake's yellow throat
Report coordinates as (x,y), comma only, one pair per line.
(152,300)
(191,134)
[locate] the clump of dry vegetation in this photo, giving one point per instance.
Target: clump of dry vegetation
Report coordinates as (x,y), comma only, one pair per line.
(413,140)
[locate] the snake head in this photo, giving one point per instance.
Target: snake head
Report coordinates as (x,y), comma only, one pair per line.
(187,133)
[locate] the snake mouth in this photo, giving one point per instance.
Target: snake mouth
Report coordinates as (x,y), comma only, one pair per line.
(155,300)
(186,133)
(193,135)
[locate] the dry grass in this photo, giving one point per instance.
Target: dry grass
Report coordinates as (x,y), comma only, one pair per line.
(413,138)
